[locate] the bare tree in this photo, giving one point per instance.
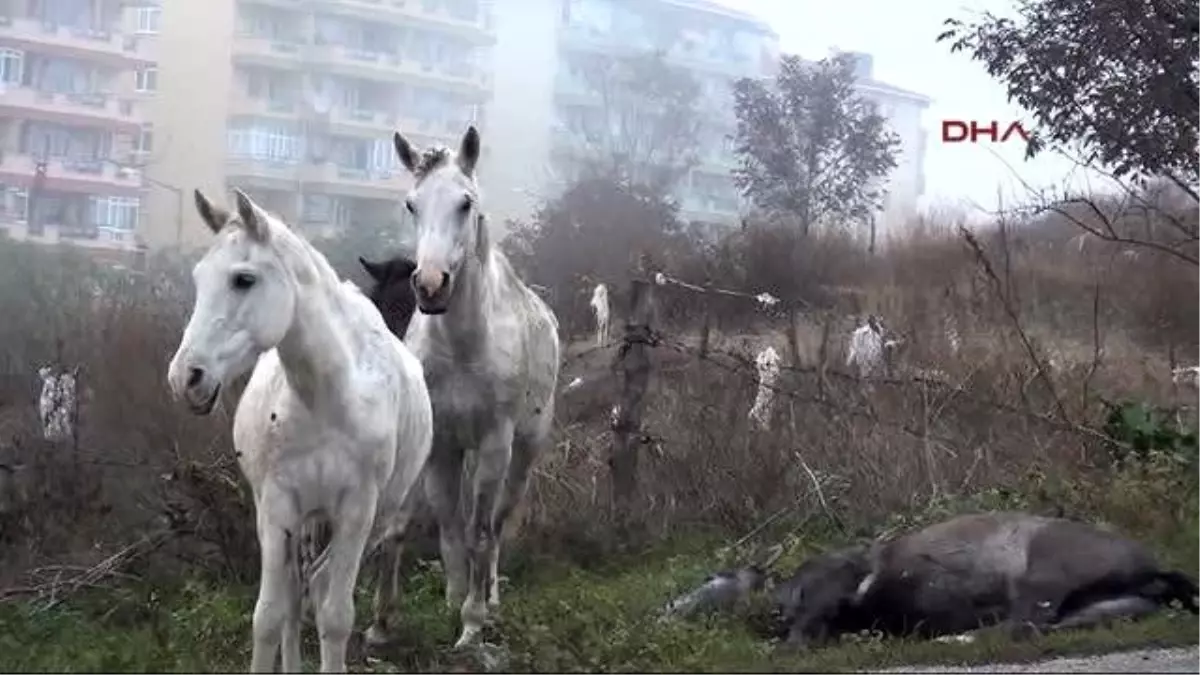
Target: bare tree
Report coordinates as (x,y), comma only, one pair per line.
(642,122)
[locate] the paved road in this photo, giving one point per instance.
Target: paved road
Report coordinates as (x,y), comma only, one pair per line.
(1178,660)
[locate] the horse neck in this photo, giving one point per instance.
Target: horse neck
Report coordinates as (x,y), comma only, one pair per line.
(465,323)
(316,350)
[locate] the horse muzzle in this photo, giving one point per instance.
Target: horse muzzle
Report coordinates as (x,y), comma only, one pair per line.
(200,391)
(432,299)
(202,403)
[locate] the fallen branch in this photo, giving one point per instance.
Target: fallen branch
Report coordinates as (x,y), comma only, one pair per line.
(51,585)
(820,493)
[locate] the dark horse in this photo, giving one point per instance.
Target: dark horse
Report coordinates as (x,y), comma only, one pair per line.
(392,292)
(1032,573)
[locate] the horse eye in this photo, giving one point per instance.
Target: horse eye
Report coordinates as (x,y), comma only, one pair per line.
(243,281)
(465,207)
(412,208)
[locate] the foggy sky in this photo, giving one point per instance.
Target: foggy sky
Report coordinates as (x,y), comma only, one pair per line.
(900,36)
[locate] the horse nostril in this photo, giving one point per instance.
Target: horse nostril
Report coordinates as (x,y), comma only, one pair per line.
(194,376)
(424,291)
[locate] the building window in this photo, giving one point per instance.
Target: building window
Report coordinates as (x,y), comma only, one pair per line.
(118,213)
(326,210)
(147,20)
(268,142)
(12,63)
(147,79)
(143,141)
(383,157)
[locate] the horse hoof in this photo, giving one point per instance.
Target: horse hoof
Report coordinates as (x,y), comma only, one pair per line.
(484,657)
(376,636)
(470,638)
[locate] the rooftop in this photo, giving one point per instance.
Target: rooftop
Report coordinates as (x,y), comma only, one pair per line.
(872,84)
(711,7)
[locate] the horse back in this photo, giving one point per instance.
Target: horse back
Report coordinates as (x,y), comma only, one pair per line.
(538,329)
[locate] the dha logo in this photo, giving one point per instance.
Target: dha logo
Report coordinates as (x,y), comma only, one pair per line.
(957,131)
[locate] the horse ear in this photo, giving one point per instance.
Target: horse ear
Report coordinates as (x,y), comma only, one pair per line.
(375,270)
(212,215)
(468,151)
(405,151)
(254,219)
(406,266)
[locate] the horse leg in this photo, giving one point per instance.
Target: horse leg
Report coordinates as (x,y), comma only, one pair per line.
(443,482)
(1035,600)
(525,451)
(387,590)
(335,613)
(387,580)
(277,612)
(491,472)
(291,661)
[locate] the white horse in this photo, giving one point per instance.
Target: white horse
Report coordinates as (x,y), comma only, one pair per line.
(767,363)
(57,404)
(332,430)
(599,305)
(490,349)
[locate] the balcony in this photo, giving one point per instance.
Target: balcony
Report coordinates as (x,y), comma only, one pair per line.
(590,40)
(265,174)
(91,44)
(360,123)
(329,178)
(100,110)
(480,30)
(429,132)
(264,51)
(242,105)
(89,237)
(88,176)
(352,62)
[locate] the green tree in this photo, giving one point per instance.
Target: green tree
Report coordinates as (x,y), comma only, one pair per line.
(810,148)
(1118,77)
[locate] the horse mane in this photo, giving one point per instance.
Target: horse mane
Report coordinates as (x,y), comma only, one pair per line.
(432,158)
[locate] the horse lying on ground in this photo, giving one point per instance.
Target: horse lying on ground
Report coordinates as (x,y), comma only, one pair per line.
(1027,573)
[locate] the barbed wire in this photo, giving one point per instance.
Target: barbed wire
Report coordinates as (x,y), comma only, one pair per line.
(744,367)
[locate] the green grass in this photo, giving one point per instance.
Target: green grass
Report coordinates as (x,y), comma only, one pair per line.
(562,618)
(559,620)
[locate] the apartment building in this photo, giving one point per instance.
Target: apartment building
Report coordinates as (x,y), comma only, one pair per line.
(903,110)
(295,102)
(73,78)
(713,44)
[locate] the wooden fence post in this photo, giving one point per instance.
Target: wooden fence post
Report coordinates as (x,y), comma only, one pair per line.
(633,366)
(793,335)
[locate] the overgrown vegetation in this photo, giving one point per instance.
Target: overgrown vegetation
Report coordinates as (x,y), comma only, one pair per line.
(133,549)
